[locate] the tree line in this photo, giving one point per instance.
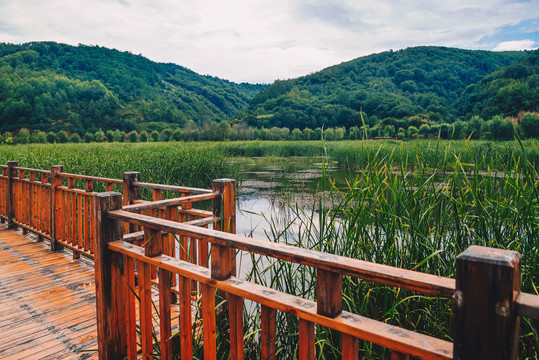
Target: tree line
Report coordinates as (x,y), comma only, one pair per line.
(496,128)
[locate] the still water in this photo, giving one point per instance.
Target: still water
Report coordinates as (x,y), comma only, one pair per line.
(268,187)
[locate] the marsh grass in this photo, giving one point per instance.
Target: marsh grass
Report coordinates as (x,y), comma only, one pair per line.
(414,217)
(164,163)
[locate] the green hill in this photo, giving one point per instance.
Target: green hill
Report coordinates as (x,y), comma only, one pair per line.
(51,86)
(424,81)
(507,91)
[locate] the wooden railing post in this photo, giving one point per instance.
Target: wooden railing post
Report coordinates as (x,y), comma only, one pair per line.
(223,261)
(130,191)
(11,173)
(56,215)
(486,323)
(130,194)
(223,265)
(110,302)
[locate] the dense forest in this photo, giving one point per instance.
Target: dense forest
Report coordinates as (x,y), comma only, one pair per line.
(420,81)
(60,93)
(51,87)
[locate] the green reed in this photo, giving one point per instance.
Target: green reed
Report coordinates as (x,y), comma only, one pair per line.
(414,217)
(164,163)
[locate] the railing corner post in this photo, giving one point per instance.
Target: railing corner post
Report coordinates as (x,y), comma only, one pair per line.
(56,181)
(10,213)
(110,306)
(486,322)
(130,191)
(223,263)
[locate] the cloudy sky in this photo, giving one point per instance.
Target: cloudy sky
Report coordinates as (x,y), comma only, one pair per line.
(260,41)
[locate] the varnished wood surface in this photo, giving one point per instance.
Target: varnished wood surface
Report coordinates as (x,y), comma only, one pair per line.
(47,302)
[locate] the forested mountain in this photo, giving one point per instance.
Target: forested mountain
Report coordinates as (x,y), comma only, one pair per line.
(507,91)
(50,86)
(420,81)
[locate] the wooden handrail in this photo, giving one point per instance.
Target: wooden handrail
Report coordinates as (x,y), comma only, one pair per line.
(528,305)
(169,202)
(172,188)
(383,274)
(386,335)
(33,170)
(93,178)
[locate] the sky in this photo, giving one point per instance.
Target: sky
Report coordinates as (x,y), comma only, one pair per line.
(260,41)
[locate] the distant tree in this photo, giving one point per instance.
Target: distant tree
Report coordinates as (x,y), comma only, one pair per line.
(329,134)
(119,136)
(23,137)
(354,133)
(340,132)
(459,130)
(143,136)
(307,134)
(401,133)
(75,138)
(166,134)
(177,135)
(40,137)
(225,130)
(99,136)
(445,131)
(530,125)
(154,135)
(88,137)
(51,138)
(364,132)
(132,136)
(424,129)
(62,137)
(295,134)
(389,131)
(317,134)
(285,132)
(110,135)
(412,132)
(474,128)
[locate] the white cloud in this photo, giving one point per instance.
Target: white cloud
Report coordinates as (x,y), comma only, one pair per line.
(257,40)
(516,45)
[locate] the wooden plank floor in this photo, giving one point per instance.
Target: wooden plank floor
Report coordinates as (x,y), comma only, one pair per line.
(47,302)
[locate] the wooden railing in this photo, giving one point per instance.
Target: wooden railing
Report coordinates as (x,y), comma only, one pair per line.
(169,246)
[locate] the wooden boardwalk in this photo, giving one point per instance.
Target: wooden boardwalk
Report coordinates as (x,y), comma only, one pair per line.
(47,301)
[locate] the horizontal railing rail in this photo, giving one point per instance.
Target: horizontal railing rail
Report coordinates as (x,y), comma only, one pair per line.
(383,274)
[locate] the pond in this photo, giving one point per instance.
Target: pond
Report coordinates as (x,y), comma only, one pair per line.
(267,188)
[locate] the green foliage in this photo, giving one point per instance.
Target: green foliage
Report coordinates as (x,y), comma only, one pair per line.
(75,138)
(99,136)
(155,135)
(505,92)
(51,138)
(132,136)
(421,81)
(143,137)
(23,137)
(530,125)
(50,86)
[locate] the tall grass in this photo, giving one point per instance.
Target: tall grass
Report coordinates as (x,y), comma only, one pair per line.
(414,217)
(164,163)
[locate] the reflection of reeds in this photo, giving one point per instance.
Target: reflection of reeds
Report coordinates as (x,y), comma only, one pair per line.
(415,219)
